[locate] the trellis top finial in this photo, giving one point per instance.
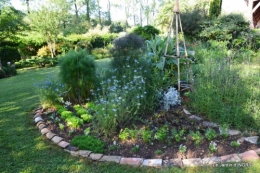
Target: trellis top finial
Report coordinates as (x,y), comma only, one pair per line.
(176,8)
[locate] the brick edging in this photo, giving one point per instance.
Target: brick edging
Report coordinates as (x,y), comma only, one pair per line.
(222,160)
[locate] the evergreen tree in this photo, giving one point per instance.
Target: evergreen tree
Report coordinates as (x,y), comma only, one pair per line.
(215,8)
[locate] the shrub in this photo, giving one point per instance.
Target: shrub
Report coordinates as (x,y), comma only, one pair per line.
(225,28)
(77,71)
(147,32)
(9,54)
(9,70)
(88,143)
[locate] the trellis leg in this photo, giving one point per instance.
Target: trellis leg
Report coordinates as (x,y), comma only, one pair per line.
(176,10)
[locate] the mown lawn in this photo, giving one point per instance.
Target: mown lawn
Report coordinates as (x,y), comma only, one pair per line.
(24,150)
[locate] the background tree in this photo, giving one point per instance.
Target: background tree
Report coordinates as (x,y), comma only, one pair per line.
(11,22)
(48,21)
(215,8)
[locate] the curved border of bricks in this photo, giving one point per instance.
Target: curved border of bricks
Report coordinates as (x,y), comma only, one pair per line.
(238,159)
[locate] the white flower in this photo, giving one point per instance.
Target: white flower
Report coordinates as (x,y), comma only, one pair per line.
(114,142)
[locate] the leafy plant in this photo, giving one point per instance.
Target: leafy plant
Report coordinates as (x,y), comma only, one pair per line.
(66,114)
(178,135)
(213,146)
(158,152)
(135,149)
(133,133)
(61,126)
(146,32)
(113,147)
(161,133)
(86,117)
(223,129)
(171,98)
(87,131)
(88,143)
(74,122)
(197,137)
(124,134)
(211,134)
(182,148)
(61,109)
(235,144)
(146,135)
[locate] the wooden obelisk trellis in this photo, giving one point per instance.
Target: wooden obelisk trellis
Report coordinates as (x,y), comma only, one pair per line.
(176,16)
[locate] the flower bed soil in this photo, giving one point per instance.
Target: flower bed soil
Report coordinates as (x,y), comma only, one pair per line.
(175,118)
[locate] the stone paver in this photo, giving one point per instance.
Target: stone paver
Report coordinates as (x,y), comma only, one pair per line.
(95,156)
(252,139)
(257,151)
(186,112)
(37,115)
(230,158)
(192,162)
(110,159)
(249,155)
(209,124)
(71,148)
(241,140)
(41,126)
(37,119)
(234,132)
(131,161)
(57,139)
(152,162)
(44,131)
(50,135)
(172,162)
(195,117)
(39,123)
(84,153)
(63,144)
(74,153)
(210,160)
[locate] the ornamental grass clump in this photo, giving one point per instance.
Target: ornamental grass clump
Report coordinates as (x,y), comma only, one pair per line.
(77,72)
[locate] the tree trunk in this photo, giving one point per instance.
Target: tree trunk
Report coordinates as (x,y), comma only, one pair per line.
(28,6)
(87,10)
(109,12)
(76,9)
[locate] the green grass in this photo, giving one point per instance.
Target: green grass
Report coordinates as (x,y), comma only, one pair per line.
(24,150)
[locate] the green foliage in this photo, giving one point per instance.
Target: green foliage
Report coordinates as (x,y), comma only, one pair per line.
(11,22)
(215,8)
(135,149)
(211,134)
(77,71)
(9,54)
(231,83)
(38,62)
(74,122)
(49,91)
(86,117)
(197,137)
(8,70)
(124,134)
(182,149)
(66,114)
(100,53)
(87,131)
(158,152)
(177,135)
(213,146)
(61,126)
(61,109)
(146,135)
(88,143)
(230,28)
(235,144)
(146,32)
(161,133)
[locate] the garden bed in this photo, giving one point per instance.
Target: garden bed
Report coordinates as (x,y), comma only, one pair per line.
(162,143)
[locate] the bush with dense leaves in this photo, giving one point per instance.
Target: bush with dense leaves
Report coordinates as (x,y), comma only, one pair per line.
(77,72)
(88,143)
(226,28)
(146,32)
